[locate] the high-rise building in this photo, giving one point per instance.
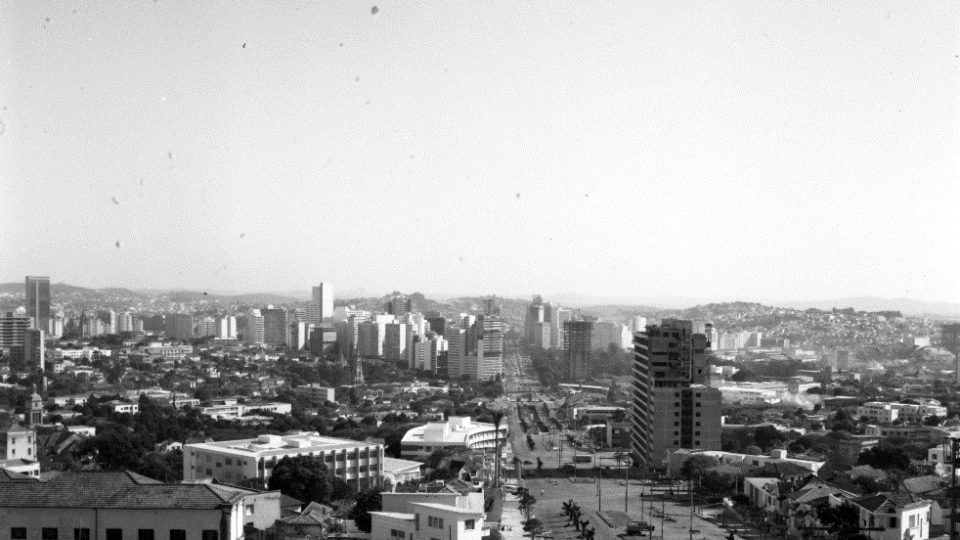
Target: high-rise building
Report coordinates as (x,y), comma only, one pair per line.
(38,300)
(124,322)
(370,339)
(274,326)
(577,350)
(672,406)
(109,319)
(253,334)
(179,326)
(226,327)
(206,327)
(456,351)
(12,330)
(489,348)
(491,306)
(606,333)
(950,340)
(399,304)
(438,324)
(395,342)
(34,351)
(321,306)
(533,323)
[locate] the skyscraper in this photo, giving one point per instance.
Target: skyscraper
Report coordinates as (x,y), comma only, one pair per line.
(322,305)
(38,301)
(491,306)
(274,326)
(577,349)
(950,340)
(399,304)
(12,329)
(179,326)
(253,333)
(672,406)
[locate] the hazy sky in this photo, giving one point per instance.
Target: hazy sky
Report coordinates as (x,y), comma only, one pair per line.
(718,150)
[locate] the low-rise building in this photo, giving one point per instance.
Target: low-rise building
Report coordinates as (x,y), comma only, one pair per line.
(398,471)
(456,432)
(676,459)
(429,516)
(900,515)
(358,463)
(116,505)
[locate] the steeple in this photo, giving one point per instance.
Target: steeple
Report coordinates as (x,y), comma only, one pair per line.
(357,370)
(36,409)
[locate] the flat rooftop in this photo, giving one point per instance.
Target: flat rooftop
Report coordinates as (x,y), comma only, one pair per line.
(277,445)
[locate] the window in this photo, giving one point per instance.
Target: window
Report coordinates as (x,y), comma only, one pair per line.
(248,509)
(228,461)
(81,534)
(893,522)
(913,521)
(434,522)
(209,534)
(469,524)
(114,534)
(49,533)
(178,534)
(144,534)
(18,533)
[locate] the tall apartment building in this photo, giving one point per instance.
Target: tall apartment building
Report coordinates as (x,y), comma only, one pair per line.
(226,327)
(12,329)
(206,327)
(577,350)
(274,326)
(456,351)
(950,340)
(672,405)
(34,351)
(321,306)
(124,322)
(179,326)
(489,348)
(533,325)
(606,333)
(37,290)
(253,334)
(109,319)
(491,306)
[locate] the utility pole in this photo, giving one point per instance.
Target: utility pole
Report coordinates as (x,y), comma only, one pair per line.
(626,485)
(690,488)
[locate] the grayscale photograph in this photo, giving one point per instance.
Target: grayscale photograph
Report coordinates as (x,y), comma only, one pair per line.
(504,270)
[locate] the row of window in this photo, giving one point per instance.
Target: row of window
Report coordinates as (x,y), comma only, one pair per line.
(53,533)
(434,522)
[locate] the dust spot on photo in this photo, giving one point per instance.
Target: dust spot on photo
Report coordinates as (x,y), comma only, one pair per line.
(169,155)
(374,10)
(115,200)
(117,244)
(243,234)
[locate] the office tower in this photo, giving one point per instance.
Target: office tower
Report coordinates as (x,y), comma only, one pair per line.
(533,323)
(34,351)
(491,306)
(226,327)
(551,318)
(456,351)
(577,351)
(274,326)
(90,324)
(370,339)
(672,406)
(399,305)
(321,306)
(437,323)
(395,342)
(950,340)
(138,325)
(179,326)
(253,334)
(38,300)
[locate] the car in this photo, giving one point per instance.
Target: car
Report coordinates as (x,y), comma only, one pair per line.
(639,527)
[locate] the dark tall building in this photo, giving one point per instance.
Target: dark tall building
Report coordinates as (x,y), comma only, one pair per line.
(577,349)
(950,340)
(672,405)
(38,301)
(399,305)
(491,306)
(438,324)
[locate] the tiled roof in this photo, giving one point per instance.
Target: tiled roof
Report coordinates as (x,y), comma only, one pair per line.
(10,476)
(115,490)
(875,501)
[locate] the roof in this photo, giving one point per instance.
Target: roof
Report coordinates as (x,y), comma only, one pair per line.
(394,465)
(10,476)
(921,484)
(275,445)
(448,508)
(395,515)
(877,500)
(95,489)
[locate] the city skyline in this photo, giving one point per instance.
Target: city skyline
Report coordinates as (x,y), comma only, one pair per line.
(703,151)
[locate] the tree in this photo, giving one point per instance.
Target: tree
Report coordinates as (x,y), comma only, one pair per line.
(932,420)
(304,478)
(884,457)
(766,436)
(533,526)
(366,501)
(696,466)
(525,501)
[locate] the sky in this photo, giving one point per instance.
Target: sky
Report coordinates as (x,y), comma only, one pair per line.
(712,150)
